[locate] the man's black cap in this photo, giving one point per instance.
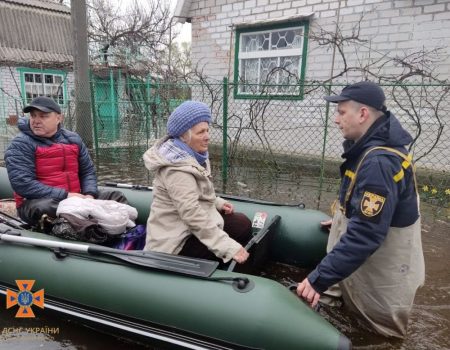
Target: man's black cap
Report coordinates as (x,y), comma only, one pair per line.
(365,92)
(44,104)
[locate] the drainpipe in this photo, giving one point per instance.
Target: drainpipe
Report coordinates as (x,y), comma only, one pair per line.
(224,136)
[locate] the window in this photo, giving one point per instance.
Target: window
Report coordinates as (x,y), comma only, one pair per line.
(270,61)
(42,83)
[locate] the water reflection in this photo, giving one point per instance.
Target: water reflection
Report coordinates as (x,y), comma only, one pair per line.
(51,332)
(429,326)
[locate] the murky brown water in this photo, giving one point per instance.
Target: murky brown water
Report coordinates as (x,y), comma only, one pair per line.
(429,326)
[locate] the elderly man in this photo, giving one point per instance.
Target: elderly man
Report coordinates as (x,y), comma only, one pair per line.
(47,163)
(374,248)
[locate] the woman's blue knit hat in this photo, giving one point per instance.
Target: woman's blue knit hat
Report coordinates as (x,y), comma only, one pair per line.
(186,115)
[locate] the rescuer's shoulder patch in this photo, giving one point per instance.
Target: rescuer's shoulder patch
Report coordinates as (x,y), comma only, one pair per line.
(372,204)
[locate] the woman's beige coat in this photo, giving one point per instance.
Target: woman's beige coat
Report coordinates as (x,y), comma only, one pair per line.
(184,203)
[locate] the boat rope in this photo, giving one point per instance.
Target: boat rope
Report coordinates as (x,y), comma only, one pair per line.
(300,205)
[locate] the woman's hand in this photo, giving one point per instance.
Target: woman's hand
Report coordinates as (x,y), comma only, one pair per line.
(228,208)
(241,256)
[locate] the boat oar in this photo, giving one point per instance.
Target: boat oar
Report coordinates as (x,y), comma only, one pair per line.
(159,261)
(254,241)
(12,221)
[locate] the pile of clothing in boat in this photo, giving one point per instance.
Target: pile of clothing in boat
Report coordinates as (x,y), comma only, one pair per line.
(99,221)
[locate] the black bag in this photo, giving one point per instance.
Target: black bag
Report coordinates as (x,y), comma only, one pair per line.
(63,229)
(68,226)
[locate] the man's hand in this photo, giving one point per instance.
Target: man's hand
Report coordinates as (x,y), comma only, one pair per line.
(326,225)
(307,292)
(75,194)
(241,256)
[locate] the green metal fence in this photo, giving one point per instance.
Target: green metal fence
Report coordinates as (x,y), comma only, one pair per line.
(284,150)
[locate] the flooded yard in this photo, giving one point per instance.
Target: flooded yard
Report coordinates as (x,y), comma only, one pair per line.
(430,323)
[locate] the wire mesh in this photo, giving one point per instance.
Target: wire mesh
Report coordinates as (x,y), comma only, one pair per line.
(278,149)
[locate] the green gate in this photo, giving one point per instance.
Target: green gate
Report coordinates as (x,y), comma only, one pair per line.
(106,109)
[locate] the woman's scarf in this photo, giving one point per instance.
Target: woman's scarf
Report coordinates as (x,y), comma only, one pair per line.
(200,157)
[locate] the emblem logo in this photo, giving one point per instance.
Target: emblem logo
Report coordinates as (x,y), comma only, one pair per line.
(371,204)
(25,298)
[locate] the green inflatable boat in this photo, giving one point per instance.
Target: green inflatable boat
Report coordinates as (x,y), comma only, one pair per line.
(172,300)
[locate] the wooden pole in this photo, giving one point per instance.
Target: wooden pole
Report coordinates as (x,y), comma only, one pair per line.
(81,71)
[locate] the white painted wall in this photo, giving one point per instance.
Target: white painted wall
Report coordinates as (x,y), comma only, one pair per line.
(11,95)
(390,27)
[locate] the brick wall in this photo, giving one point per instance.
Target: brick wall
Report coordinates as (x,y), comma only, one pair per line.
(389,27)
(11,103)
(10,99)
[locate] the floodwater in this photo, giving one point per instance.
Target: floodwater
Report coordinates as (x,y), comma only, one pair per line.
(429,326)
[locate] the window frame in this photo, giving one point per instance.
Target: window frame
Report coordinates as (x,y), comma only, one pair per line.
(264,28)
(23,71)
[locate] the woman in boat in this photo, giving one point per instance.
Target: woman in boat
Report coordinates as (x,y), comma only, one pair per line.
(186,216)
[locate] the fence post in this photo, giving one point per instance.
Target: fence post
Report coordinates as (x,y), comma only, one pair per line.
(15,105)
(3,112)
(94,114)
(325,136)
(81,70)
(148,97)
(159,103)
(112,102)
(224,136)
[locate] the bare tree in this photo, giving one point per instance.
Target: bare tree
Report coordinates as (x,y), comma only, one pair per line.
(411,68)
(418,65)
(180,62)
(135,37)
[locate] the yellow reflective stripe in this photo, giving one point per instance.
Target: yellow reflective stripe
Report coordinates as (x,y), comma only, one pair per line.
(399,175)
(350,174)
(407,162)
